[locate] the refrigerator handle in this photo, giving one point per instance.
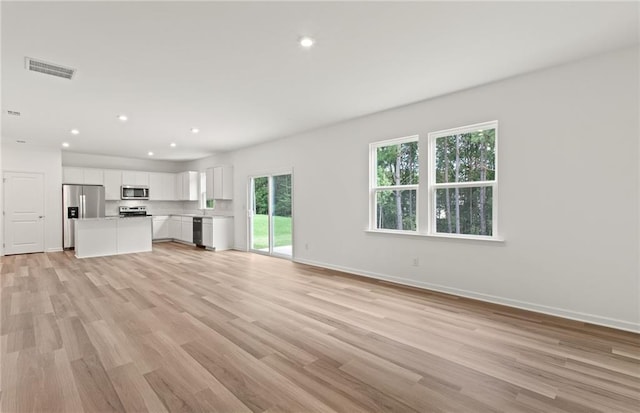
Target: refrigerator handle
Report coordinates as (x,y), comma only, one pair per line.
(82,206)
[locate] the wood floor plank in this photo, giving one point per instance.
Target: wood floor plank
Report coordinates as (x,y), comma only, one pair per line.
(47,333)
(95,388)
(174,394)
(110,344)
(66,381)
(75,339)
(134,391)
(186,330)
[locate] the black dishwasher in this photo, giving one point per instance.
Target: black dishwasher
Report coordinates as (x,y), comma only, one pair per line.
(197,231)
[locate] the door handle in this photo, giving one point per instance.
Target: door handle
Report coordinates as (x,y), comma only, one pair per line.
(41,216)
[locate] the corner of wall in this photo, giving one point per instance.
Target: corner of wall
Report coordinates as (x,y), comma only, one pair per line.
(1,204)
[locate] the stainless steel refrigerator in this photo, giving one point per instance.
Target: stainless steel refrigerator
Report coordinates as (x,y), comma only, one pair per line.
(79,201)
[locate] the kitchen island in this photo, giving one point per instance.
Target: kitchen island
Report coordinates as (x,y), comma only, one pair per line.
(98,237)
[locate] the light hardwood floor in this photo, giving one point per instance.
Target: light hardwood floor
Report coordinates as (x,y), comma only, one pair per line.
(184,330)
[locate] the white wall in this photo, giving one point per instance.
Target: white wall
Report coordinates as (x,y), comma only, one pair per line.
(208,162)
(569,185)
(1,203)
(114,162)
(26,158)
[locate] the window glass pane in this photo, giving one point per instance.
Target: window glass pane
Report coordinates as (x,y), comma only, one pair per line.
(465,210)
(397,164)
(282,234)
(396,209)
(466,157)
(260,222)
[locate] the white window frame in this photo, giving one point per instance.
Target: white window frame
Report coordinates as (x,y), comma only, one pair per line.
(202,192)
(374,188)
(433,186)
(427,185)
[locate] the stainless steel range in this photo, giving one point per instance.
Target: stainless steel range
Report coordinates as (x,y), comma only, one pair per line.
(133,211)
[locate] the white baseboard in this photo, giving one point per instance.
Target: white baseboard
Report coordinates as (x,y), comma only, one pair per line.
(54,250)
(538,308)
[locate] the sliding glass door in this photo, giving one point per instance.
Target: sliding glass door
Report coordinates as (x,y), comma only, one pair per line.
(271,215)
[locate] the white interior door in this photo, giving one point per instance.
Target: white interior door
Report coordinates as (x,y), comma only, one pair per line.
(23,212)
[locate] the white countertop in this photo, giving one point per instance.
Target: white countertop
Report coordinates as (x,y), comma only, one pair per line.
(194,216)
(108,218)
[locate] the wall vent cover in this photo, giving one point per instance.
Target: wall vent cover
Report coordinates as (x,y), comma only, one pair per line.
(52,69)
(13,113)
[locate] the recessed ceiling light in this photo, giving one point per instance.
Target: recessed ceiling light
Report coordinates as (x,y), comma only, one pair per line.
(195,130)
(122,118)
(172,144)
(306,42)
(65,144)
(75,131)
(150,153)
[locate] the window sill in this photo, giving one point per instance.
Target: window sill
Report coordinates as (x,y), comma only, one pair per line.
(447,236)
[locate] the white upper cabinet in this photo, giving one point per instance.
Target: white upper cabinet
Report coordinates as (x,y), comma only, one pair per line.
(155,187)
(209,174)
(72,175)
(169,185)
(112,183)
(162,186)
(93,176)
(187,186)
(179,187)
(82,176)
(222,182)
(135,178)
(191,185)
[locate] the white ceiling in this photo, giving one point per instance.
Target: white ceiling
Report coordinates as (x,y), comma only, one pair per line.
(235,70)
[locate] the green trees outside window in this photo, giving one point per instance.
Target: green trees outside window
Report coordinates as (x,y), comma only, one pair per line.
(457,191)
(465,158)
(282,203)
(397,166)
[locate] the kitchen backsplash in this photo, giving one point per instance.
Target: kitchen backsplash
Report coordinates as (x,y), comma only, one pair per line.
(222,207)
(171,207)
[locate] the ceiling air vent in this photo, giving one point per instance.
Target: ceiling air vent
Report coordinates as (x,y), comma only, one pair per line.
(48,68)
(13,113)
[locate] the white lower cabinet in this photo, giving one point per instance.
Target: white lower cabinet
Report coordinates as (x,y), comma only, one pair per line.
(187,229)
(134,235)
(161,227)
(175,227)
(217,232)
(207,232)
(97,237)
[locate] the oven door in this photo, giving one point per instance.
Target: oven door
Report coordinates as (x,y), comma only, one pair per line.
(134,192)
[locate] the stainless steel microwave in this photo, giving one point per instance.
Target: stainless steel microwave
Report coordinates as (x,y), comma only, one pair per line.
(134,192)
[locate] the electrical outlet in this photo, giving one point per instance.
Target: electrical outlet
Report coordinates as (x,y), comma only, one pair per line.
(416,262)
